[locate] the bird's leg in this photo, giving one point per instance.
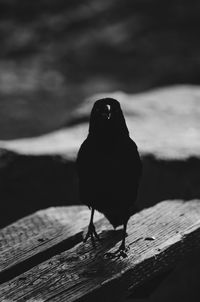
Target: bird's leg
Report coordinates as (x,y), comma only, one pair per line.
(122,250)
(91,230)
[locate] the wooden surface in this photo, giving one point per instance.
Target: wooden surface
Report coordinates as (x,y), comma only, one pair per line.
(158,238)
(36,233)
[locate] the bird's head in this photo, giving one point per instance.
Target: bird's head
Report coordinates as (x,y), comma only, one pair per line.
(107,118)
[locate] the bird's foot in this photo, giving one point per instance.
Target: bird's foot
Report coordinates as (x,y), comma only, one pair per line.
(92,234)
(122,251)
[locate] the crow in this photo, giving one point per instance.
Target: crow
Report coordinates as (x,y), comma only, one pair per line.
(109,167)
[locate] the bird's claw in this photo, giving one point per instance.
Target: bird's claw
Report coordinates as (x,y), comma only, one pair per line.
(92,234)
(122,251)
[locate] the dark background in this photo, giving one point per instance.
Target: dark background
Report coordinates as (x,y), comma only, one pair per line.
(55,54)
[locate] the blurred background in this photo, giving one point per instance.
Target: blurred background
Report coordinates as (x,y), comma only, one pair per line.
(58,57)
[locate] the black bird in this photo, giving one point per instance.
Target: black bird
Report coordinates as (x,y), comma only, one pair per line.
(109,167)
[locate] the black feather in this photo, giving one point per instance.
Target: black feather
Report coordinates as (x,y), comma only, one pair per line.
(109,165)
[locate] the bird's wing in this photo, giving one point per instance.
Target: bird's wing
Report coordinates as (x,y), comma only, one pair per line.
(114,177)
(87,172)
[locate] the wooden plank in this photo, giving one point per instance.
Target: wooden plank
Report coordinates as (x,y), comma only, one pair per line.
(41,231)
(158,237)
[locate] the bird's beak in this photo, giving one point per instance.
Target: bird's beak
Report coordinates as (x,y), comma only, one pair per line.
(106,114)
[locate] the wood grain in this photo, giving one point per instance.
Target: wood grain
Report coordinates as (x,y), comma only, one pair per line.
(158,237)
(36,233)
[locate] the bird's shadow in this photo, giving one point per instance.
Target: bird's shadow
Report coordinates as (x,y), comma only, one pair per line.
(102,265)
(108,241)
(108,235)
